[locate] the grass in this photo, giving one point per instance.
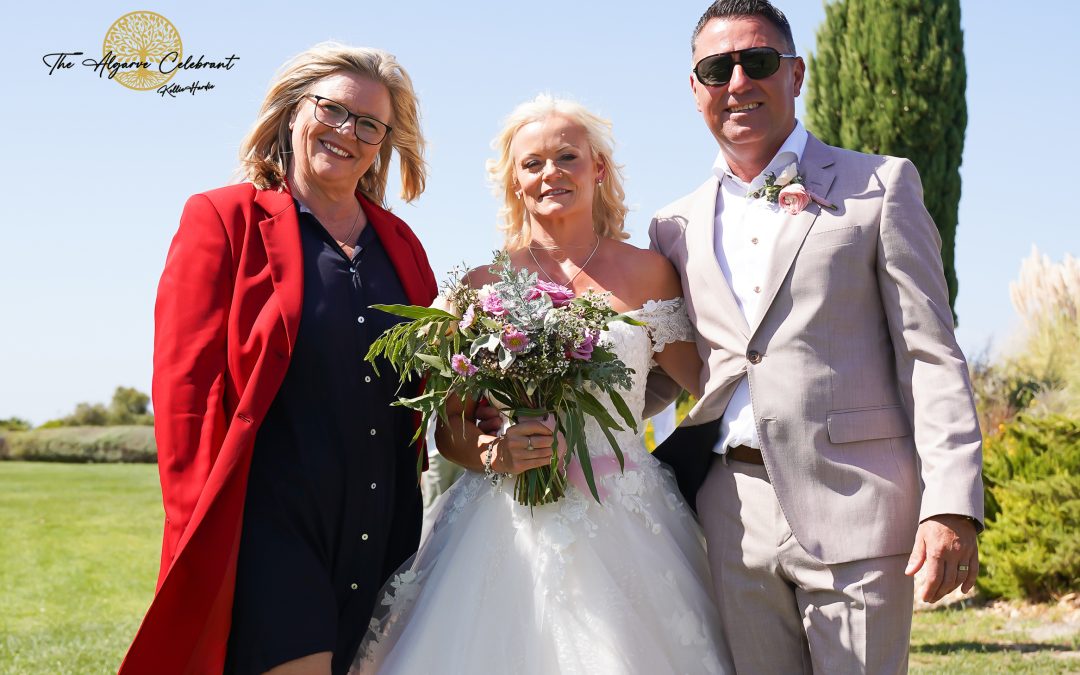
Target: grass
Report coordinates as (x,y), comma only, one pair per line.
(998,638)
(79,551)
(78,559)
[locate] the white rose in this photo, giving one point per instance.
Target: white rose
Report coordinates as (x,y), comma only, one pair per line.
(787,175)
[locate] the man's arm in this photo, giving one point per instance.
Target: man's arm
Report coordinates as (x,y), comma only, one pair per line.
(934,384)
(660,389)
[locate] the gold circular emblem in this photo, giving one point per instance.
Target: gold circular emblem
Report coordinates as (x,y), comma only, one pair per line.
(135,47)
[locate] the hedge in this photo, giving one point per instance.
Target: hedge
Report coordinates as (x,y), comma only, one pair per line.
(1031,548)
(132,444)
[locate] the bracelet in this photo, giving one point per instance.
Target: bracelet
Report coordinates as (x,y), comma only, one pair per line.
(491,475)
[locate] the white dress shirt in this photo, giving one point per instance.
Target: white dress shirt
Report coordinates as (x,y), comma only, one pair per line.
(745,237)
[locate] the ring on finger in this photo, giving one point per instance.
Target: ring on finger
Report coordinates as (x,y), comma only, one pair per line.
(528,443)
(962,569)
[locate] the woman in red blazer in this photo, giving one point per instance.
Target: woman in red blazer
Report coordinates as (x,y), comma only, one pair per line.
(289,483)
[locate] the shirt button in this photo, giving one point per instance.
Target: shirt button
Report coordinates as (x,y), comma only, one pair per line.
(372,432)
(754,240)
(373,486)
(757,289)
(364,536)
(352,270)
(353,586)
(754,357)
(359,319)
(367,378)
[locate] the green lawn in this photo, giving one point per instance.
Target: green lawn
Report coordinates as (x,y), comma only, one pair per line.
(79,549)
(79,545)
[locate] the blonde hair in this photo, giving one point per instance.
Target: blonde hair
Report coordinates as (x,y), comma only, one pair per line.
(264,152)
(609,208)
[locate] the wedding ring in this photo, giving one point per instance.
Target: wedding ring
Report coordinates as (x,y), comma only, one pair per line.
(962,568)
(528,443)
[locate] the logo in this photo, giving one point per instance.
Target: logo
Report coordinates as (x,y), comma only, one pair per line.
(148,40)
(143,52)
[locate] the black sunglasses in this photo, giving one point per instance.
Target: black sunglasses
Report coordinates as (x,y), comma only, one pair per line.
(757,62)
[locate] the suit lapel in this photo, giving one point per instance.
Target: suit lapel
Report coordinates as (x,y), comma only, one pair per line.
(701,262)
(815,167)
(284,254)
(398,250)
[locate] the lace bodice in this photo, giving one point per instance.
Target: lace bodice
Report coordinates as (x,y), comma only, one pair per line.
(665,322)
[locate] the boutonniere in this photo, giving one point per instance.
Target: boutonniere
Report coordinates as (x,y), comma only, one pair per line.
(788,191)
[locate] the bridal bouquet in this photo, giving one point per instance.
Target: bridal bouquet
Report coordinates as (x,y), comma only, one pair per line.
(532,347)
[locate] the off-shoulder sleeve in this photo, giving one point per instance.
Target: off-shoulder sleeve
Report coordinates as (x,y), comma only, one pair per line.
(665,321)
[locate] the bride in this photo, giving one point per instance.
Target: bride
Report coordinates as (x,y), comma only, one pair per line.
(577,586)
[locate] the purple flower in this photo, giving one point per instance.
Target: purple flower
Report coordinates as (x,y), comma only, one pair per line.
(461,365)
(492,304)
(513,339)
(468,317)
(560,295)
(583,350)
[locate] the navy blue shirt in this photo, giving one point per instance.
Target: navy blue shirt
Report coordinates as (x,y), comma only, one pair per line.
(332,506)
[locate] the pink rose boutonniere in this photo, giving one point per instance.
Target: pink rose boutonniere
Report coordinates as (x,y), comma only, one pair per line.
(794,197)
(788,191)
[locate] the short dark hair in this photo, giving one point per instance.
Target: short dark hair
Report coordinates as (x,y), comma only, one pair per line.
(722,9)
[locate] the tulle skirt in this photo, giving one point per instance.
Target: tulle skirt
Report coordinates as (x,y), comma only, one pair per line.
(571,587)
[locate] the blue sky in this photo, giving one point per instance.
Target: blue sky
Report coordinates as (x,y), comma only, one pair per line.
(95,175)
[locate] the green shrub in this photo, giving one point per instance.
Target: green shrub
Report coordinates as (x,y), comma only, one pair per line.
(1032,472)
(82,445)
(14,424)
(1030,449)
(1032,549)
(128,407)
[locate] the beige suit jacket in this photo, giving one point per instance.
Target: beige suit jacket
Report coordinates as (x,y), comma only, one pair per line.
(860,393)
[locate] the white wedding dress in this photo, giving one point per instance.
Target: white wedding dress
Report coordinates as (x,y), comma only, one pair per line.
(577,586)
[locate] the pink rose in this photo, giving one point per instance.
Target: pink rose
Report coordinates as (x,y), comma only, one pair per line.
(513,339)
(492,304)
(560,295)
(461,365)
(793,198)
(583,351)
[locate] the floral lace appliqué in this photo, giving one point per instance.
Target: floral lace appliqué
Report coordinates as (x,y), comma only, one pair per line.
(666,321)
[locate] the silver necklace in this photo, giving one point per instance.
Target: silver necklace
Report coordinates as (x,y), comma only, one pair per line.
(345,242)
(581,268)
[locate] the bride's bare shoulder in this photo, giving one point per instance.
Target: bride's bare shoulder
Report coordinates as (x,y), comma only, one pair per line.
(653,278)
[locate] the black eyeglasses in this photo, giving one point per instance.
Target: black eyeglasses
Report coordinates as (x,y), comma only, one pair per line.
(757,62)
(331,113)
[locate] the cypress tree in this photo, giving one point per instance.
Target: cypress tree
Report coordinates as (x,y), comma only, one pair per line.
(889,78)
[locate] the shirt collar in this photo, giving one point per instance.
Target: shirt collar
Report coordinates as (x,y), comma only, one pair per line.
(791,151)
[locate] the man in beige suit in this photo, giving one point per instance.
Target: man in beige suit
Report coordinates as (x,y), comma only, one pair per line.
(835,450)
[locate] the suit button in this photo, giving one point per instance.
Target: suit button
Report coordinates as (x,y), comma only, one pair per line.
(754,357)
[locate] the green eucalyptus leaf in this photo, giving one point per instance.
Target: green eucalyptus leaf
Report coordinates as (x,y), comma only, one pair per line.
(435,362)
(596,410)
(415,312)
(623,409)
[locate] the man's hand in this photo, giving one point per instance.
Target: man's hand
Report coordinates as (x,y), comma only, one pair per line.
(946,545)
(488,418)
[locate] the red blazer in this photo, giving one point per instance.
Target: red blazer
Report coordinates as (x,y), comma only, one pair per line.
(228,309)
